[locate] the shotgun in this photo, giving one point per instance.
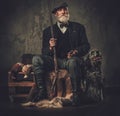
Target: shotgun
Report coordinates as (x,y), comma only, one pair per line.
(53,84)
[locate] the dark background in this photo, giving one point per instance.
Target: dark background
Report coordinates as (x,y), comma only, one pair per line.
(22,22)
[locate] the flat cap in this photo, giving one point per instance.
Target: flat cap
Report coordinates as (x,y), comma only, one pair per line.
(62,5)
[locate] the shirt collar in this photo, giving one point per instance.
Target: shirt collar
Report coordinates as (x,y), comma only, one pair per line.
(58,23)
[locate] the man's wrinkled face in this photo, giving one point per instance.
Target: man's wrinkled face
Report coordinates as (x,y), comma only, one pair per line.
(62,15)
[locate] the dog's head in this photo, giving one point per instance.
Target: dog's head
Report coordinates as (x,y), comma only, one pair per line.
(95,57)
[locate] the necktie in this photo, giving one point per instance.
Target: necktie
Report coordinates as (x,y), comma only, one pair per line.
(63,25)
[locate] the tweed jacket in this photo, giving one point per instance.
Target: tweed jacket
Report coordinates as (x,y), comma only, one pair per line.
(77,38)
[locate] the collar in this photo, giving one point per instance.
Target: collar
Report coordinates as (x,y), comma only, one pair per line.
(61,25)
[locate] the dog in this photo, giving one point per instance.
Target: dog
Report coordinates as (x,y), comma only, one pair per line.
(63,84)
(94,78)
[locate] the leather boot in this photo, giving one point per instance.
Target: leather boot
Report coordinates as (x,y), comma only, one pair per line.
(76,99)
(76,92)
(41,88)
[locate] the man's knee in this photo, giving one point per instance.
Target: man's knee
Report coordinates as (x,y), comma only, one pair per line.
(75,61)
(37,60)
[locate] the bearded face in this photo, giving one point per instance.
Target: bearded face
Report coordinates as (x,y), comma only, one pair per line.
(63,18)
(62,15)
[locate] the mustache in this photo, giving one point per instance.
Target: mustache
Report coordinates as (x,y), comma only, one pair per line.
(63,18)
(64,15)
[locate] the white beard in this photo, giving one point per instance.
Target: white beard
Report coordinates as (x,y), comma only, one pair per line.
(64,18)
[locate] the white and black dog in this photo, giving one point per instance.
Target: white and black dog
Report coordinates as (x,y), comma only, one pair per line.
(94,77)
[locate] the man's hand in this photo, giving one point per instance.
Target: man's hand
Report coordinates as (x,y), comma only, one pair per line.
(72,53)
(52,42)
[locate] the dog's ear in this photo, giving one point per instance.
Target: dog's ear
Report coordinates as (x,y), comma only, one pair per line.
(87,62)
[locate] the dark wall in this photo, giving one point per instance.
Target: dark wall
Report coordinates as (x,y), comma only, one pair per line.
(22,22)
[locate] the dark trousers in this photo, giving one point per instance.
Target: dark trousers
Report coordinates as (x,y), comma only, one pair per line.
(43,64)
